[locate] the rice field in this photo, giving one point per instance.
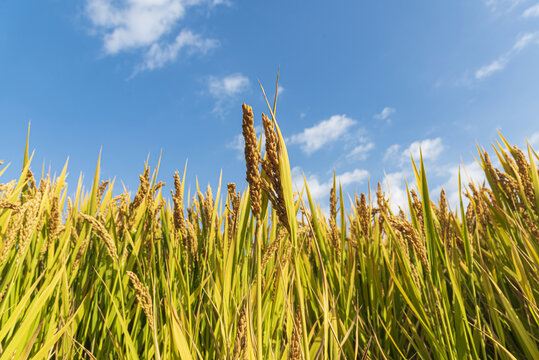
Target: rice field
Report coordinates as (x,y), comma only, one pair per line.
(262,273)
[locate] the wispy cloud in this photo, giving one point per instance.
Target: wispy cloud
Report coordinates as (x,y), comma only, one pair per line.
(501,62)
(395,188)
(361,151)
(489,3)
(531,11)
(323,133)
(385,114)
(237,143)
(470,172)
(507,5)
(394,183)
(534,140)
(160,54)
(127,25)
(430,149)
(357,176)
(392,152)
(320,189)
(225,88)
(524,41)
(487,70)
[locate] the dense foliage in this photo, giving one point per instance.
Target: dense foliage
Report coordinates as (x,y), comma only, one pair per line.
(264,274)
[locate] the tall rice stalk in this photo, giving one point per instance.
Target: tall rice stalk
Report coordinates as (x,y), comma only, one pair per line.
(264,273)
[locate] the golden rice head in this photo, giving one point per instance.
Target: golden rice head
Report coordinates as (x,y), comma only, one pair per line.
(241,335)
(252,160)
(143,297)
(295,343)
(103,234)
(413,237)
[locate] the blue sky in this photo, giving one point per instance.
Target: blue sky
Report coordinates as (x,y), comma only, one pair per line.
(363,85)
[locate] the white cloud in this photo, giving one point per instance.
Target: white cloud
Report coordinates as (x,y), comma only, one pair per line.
(531,12)
(394,187)
(430,149)
(524,41)
(133,24)
(319,190)
(489,69)
(394,184)
(471,172)
(507,5)
(361,151)
(392,152)
(502,61)
(225,88)
(534,141)
(323,133)
(228,85)
(280,90)
(143,24)
(385,114)
(237,143)
(489,3)
(159,55)
(352,177)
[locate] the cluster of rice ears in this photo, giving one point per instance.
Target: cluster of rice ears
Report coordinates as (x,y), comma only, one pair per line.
(264,274)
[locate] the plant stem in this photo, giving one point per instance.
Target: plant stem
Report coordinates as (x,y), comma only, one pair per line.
(258,237)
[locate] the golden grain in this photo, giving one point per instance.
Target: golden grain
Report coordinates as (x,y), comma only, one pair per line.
(192,242)
(364,214)
(523,168)
(10,238)
(143,297)
(295,344)
(413,237)
(31,219)
(270,165)
(142,190)
(271,249)
(82,250)
(418,209)
(241,335)
(55,220)
(30,180)
(101,191)
(177,199)
(332,203)
(103,234)
(252,160)
(233,207)
(5,204)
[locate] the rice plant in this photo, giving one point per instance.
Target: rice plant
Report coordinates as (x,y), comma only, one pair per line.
(264,273)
